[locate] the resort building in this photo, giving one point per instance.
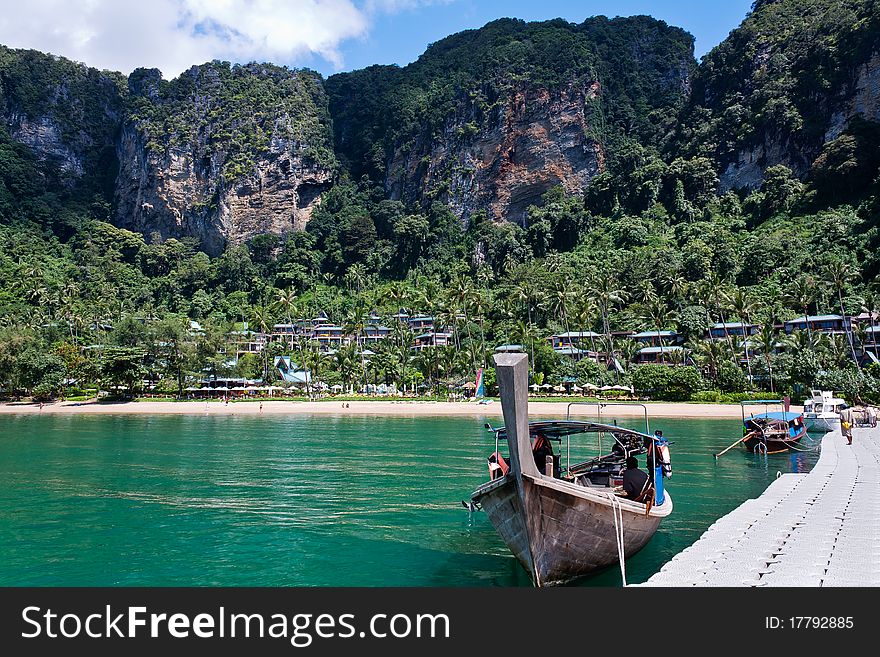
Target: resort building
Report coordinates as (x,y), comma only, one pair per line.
(723,330)
(821,323)
(432,339)
(247,341)
(421,324)
(670,354)
(329,336)
(574,339)
(375,333)
(658,338)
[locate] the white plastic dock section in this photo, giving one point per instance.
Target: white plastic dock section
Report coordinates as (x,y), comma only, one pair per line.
(816,529)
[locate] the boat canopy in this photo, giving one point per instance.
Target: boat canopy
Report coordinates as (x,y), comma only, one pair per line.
(787,417)
(559,428)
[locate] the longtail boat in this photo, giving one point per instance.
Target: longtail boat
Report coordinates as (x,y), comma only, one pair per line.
(563,523)
(772,432)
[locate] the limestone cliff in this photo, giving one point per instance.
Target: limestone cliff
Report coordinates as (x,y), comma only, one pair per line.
(491,119)
(68,115)
(223,153)
(505,160)
(786,82)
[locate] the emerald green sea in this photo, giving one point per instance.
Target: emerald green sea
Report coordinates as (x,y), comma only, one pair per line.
(130,500)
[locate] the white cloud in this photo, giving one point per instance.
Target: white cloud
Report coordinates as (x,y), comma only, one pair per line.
(172,35)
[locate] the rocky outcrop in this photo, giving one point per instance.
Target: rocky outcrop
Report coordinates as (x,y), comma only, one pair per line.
(232,171)
(43,136)
(66,113)
(859,96)
(504,161)
(179,194)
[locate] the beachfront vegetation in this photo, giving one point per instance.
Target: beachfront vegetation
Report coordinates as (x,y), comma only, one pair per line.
(109,308)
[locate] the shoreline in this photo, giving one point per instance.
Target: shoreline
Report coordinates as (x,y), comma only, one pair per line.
(401,408)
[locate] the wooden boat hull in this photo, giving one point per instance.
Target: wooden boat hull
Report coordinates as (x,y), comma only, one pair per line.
(772,445)
(560,531)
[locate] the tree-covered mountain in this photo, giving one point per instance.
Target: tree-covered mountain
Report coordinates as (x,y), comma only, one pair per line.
(491,119)
(223,153)
(786,87)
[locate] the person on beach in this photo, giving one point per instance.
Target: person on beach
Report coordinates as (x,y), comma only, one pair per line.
(872,416)
(261,407)
(847,420)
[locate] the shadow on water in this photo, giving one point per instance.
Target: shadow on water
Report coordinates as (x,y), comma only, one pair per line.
(302,501)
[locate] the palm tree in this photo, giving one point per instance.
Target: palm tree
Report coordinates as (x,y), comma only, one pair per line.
(428,361)
(526,334)
(709,354)
(355,324)
(262,319)
(345,360)
(840,275)
(765,341)
(462,294)
(743,306)
(356,276)
(286,302)
(658,315)
(607,294)
(870,305)
(558,300)
(677,286)
(585,315)
(802,293)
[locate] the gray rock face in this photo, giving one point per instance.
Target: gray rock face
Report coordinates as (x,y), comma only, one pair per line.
(503,162)
(43,136)
(222,154)
(179,194)
(860,96)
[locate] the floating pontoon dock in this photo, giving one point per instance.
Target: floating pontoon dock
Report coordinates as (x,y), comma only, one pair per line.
(816,529)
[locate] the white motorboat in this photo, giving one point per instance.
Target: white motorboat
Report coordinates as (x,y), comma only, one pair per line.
(822,411)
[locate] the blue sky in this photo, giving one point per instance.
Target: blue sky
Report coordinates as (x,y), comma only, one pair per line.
(327,35)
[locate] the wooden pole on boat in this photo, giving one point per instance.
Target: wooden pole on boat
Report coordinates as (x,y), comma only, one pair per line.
(512,375)
(512,372)
(748,435)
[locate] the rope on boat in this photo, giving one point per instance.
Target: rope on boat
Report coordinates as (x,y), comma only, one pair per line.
(617,511)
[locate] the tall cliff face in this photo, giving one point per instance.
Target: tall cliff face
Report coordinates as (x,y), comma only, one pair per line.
(491,119)
(789,80)
(223,153)
(505,160)
(67,114)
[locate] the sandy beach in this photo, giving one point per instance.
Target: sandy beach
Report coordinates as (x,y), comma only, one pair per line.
(400,408)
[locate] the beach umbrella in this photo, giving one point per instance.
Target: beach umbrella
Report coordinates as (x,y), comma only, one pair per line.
(336,387)
(576,388)
(470,385)
(559,389)
(605,388)
(547,386)
(535,386)
(591,386)
(627,388)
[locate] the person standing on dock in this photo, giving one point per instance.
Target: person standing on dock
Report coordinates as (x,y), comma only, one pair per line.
(847,420)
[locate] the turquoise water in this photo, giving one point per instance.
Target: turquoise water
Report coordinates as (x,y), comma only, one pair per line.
(301,500)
